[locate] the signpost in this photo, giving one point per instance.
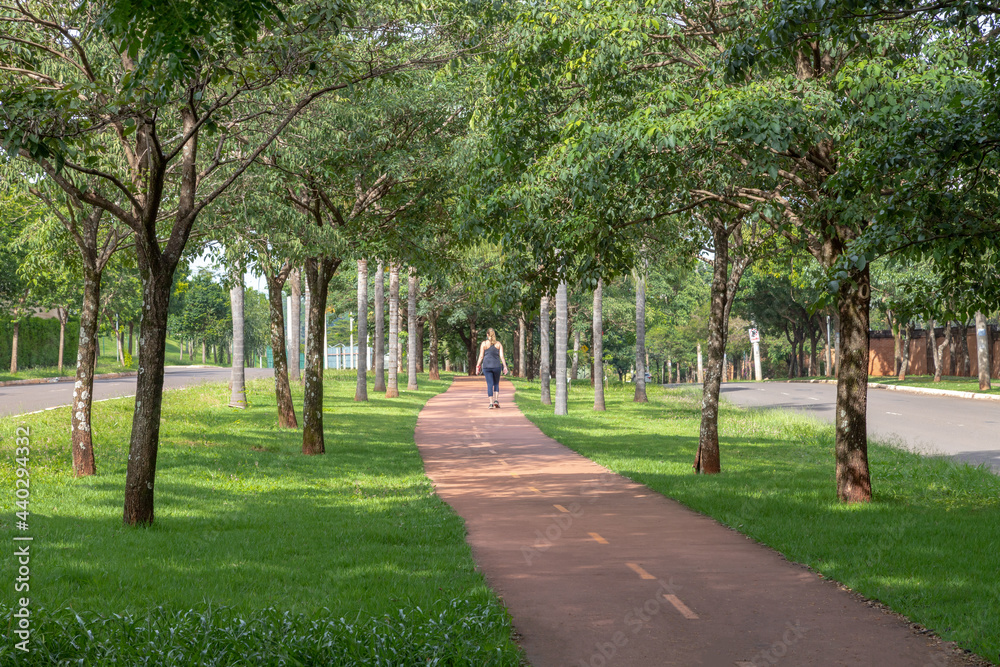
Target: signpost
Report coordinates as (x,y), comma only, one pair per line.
(755,339)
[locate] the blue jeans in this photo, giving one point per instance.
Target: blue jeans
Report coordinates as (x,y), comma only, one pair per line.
(492,381)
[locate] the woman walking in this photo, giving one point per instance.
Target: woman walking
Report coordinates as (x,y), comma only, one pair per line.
(491,363)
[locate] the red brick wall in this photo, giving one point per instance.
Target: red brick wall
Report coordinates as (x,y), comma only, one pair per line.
(882,350)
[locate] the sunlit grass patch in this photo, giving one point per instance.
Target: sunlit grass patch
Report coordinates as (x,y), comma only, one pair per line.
(245,523)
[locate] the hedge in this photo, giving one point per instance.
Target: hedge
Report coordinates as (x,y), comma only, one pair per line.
(38,343)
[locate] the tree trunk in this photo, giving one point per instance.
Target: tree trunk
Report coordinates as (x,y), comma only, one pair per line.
(952,349)
(118,342)
(238,391)
(13,346)
(433,372)
(897,356)
(853,477)
(640,337)
(294,325)
(140,475)
(939,349)
(361,391)
(420,345)
(544,365)
(963,347)
(562,320)
(575,368)
(379,343)
(83,390)
(131,326)
(906,336)
(470,346)
(63,315)
(813,359)
(319,271)
(412,339)
(392,386)
(531,353)
(983,351)
(707,459)
(282,387)
(598,347)
(522,357)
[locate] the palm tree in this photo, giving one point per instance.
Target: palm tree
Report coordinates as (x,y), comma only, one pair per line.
(361,393)
(238,394)
(294,324)
(598,345)
(392,388)
(640,336)
(379,352)
(413,342)
(544,368)
(561,327)
(522,359)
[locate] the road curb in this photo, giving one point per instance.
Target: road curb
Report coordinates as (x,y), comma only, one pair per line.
(913,390)
(104,376)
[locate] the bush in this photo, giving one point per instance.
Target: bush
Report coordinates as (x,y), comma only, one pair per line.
(38,342)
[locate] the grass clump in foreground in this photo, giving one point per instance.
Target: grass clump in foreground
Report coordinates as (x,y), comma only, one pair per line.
(927,546)
(259,555)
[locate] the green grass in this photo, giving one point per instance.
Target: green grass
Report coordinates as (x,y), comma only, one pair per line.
(950,383)
(928,546)
(106,363)
(248,528)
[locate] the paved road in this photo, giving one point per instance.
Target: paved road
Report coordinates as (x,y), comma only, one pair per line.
(31,397)
(941,425)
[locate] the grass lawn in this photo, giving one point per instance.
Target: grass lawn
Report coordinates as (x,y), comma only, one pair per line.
(928,546)
(259,555)
(951,383)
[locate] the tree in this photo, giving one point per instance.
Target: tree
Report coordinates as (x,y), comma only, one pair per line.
(639,275)
(379,346)
(361,392)
(16,298)
(295,324)
(561,327)
(598,347)
(392,387)
(412,339)
(544,370)
(238,392)
(154,89)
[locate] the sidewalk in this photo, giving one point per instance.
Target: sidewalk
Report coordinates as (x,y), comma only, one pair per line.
(904,389)
(599,571)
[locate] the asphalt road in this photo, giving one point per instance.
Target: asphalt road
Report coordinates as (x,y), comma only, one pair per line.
(937,425)
(19,399)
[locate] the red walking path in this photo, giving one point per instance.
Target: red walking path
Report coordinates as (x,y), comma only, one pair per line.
(597,570)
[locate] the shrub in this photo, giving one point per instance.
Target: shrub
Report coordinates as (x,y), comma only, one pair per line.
(38,342)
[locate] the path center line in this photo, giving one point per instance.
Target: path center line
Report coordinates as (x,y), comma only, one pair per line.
(635,567)
(681,607)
